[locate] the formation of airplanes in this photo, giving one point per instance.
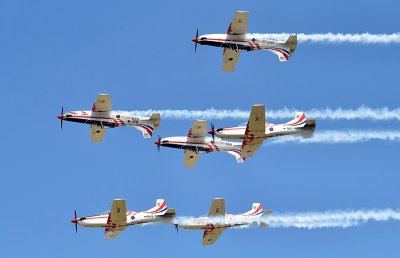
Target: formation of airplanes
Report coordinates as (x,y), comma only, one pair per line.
(236,39)
(119,218)
(246,140)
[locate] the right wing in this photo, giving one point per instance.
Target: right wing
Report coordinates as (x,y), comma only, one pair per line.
(230,59)
(102,104)
(97,133)
(211,234)
(198,129)
(191,158)
(116,221)
(239,23)
(255,131)
(217,207)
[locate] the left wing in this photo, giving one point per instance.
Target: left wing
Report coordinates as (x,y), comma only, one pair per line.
(97,133)
(198,129)
(239,23)
(116,221)
(230,59)
(102,104)
(255,131)
(191,158)
(217,207)
(211,234)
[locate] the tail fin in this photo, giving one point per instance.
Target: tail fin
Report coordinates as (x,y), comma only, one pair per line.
(300,119)
(291,43)
(160,208)
(256,210)
(155,120)
(310,127)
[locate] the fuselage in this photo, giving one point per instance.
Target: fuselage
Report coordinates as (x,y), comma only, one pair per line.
(248,42)
(199,144)
(229,220)
(106,119)
(271,130)
(132,218)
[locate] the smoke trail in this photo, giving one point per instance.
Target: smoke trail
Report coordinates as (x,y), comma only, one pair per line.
(306,220)
(341,137)
(362,113)
(364,38)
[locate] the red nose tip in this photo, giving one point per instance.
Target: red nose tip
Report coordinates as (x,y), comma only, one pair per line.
(74,221)
(60,117)
(195,39)
(157,143)
(210,132)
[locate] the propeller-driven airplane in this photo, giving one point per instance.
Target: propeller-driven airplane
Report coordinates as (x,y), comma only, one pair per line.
(119,218)
(237,39)
(218,220)
(102,117)
(197,142)
(256,130)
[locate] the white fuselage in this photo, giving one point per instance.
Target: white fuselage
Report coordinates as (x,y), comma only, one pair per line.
(248,42)
(227,221)
(106,119)
(271,130)
(200,144)
(132,218)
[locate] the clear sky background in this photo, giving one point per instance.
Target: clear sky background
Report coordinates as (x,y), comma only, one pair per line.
(55,53)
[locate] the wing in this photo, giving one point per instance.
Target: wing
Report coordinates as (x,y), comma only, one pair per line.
(255,131)
(198,129)
(116,222)
(97,133)
(217,207)
(239,23)
(112,233)
(191,158)
(230,59)
(211,234)
(102,104)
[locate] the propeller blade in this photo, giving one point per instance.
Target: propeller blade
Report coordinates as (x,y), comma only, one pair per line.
(195,45)
(176,227)
(76,224)
(159,141)
(62,113)
(212,131)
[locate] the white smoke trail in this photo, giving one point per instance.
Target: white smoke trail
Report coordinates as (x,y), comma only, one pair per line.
(361,113)
(341,137)
(306,220)
(364,38)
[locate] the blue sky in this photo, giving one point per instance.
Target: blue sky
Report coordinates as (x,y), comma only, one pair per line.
(55,53)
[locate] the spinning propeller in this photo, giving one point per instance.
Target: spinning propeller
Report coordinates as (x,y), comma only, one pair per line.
(212,132)
(61,117)
(75,220)
(158,142)
(195,40)
(176,227)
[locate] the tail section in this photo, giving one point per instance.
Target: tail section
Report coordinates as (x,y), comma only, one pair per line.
(155,120)
(256,211)
(291,43)
(310,127)
(300,120)
(160,208)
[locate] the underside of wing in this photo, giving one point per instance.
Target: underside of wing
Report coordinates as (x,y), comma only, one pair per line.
(102,103)
(118,212)
(198,129)
(217,207)
(255,131)
(250,146)
(191,158)
(239,24)
(97,133)
(211,234)
(112,233)
(230,59)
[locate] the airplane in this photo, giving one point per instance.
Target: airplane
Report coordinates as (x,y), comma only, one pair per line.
(197,142)
(256,130)
(102,117)
(118,218)
(218,220)
(237,39)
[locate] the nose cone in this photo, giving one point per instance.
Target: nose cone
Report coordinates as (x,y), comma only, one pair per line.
(157,143)
(195,39)
(74,221)
(211,132)
(60,117)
